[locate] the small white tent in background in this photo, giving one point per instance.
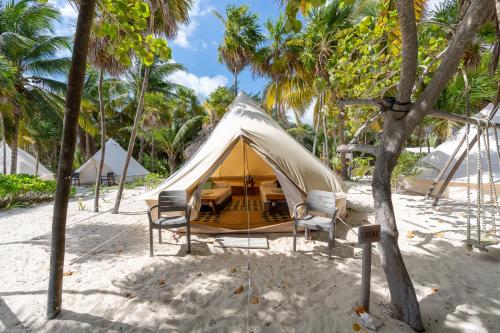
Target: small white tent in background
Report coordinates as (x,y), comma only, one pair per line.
(113,162)
(457,189)
(26,163)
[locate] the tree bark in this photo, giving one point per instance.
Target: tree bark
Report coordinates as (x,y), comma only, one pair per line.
(235,83)
(133,135)
(395,133)
(103,141)
(343,160)
(72,109)
(316,130)
(15,142)
(141,149)
(36,147)
(4,145)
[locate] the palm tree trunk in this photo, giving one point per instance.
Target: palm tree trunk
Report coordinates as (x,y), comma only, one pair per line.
(316,130)
(54,155)
(103,142)
(141,149)
(235,83)
(72,110)
(15,142)
(87,146)
(36,147)
(4,146)
(133,135)
(343,160)
(326,152)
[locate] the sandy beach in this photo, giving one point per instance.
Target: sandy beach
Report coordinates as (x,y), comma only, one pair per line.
(112,285)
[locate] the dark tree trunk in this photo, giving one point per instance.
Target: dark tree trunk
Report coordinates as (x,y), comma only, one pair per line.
(141,149)
(103,141)
(4,146)
(343,159)
(72,110)
(15,142)
(172,163)
(54,155)
(316,130)
(403,298)
(235,83)
(133,135)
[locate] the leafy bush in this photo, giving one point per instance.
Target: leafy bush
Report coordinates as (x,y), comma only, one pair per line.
(22,190)
(361,166)
(151,181)
(406,169)
(158,166)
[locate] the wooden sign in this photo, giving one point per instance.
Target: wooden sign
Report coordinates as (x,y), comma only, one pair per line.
(369,234)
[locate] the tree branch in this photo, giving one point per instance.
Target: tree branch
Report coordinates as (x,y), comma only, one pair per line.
(464,34)
(358,101)
(409,53)
(461,119)
(368,149)
(374,117)
(427,69)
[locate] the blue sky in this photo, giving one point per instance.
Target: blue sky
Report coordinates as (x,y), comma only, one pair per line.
(196,45)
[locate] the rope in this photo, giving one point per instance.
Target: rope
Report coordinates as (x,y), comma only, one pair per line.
(479,184)
(469,212)
(493,195)
(245,165)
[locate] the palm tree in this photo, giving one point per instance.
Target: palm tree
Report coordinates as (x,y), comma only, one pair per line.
(105,62)
(27,41)
(241,38)
(7,79)
(275,60)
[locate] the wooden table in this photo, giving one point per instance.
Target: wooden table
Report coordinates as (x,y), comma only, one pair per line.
(209,198)
(274,198)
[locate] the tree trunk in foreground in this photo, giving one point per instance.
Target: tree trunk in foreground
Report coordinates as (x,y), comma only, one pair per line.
(72,110)
(397,127)
(15,143)
(103,142)
(133,135)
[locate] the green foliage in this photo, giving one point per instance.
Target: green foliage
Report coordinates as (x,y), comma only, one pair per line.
(361,166)
(218,102)
(150,181)
(22,190)
(406,168)
(159,166)
(128,29)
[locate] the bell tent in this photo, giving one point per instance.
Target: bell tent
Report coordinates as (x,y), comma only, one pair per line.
(248,144)
(432,163)
(114,160)
(26,163)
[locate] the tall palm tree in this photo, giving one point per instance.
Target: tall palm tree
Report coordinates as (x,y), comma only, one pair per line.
(241,38)
(166,17)
(274,60)
(7,79)
(106,63)
(27,40)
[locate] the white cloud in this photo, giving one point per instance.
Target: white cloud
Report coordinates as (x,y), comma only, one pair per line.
(185,32)
(307,118)
(202,85)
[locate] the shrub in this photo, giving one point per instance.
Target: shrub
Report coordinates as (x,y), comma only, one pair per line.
(151,181)
(406,169)
(23,190)
(361,166)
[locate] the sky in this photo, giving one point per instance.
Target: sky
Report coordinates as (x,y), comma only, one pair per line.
(196,45)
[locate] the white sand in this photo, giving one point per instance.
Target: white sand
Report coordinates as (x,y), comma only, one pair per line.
(116,287)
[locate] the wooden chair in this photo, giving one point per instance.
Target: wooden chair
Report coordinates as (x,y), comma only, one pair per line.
(320,215)
(75,178)
(170,201)
(109,178)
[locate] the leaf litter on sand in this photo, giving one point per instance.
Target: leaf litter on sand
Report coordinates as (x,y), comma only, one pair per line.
(239,290)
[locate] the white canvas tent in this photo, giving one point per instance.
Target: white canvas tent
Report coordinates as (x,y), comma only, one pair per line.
(457,189)
(26,163)
(247,131)
(114,160)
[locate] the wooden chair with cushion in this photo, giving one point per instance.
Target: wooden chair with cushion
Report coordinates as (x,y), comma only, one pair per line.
(109,178)
(320,214)
(170,202)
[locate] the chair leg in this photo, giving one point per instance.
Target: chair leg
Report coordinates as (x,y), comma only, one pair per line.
(150,241)
(159,235)
(331,240)
(294,237)
(188,227)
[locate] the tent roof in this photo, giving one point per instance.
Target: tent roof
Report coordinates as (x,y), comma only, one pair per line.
(246,121)
(26,163)
(436,160)
(114,159)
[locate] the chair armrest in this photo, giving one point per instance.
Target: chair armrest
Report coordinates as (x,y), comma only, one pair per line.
(296,211)
(150,209)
